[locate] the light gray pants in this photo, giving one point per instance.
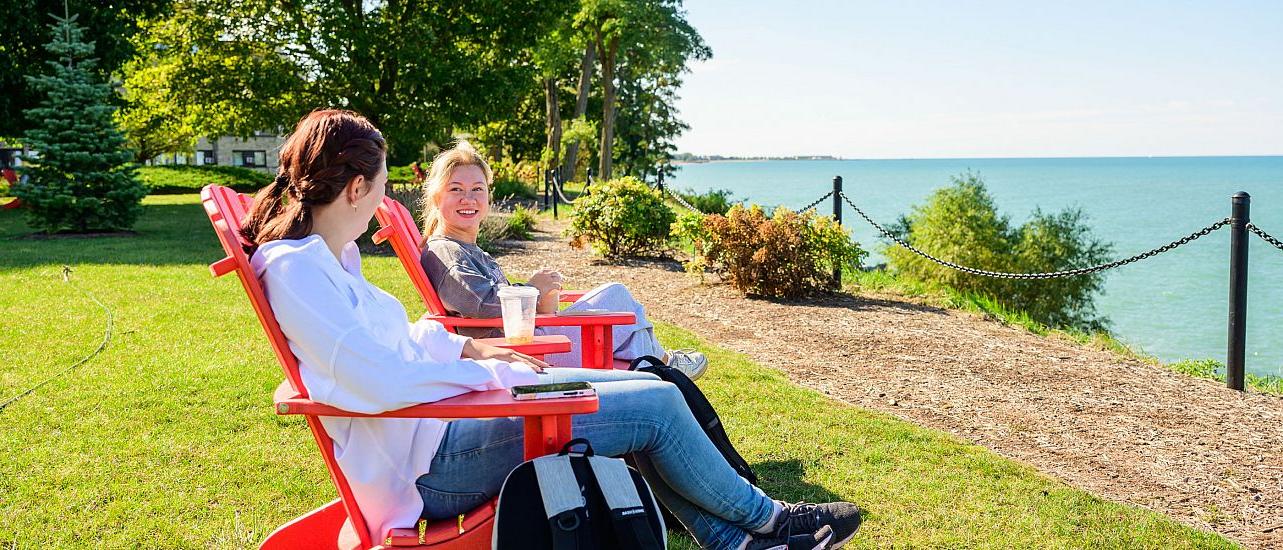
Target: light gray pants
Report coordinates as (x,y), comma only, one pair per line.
(631,341)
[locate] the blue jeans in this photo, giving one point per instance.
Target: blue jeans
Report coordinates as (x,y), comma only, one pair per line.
(639,414)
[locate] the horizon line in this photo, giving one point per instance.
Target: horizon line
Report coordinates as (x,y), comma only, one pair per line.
(835,157)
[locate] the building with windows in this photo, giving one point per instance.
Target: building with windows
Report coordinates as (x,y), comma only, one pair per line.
(259,152)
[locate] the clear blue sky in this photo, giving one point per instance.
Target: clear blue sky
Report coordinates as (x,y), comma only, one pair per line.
(906,79)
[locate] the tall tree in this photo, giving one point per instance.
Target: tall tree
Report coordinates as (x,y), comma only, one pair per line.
(153,122)
(107,24)
(655,30)
(80,179)
(586,66)
(417,68)
(658,53)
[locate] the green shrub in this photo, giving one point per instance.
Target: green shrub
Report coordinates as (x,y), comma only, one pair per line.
(716,201)
(960,224)
(621,217)
(189,179)
(522,222)
(785,255)
(509,188)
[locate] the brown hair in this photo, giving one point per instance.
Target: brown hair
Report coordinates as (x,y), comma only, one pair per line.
(462,154)
(327,149)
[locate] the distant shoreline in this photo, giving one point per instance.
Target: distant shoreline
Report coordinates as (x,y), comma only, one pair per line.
(828,158)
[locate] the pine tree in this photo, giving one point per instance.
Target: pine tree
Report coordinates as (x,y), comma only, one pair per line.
(79,178)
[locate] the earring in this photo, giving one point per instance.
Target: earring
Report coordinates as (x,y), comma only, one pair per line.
(353,206)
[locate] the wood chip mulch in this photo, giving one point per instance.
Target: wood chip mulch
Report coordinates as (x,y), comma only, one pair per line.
(1119,428)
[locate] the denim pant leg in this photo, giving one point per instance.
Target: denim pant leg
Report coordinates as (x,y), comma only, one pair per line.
(650,419)
(476,455)
(645,417)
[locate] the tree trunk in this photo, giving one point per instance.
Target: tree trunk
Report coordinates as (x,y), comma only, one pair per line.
(581,106)
(608,108)
(554,122)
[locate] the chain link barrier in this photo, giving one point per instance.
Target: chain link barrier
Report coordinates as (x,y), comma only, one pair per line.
(1265,236)
(556,186)
(681,201)
(817,202)
(1035,276)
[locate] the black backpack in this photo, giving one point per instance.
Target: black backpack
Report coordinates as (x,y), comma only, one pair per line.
(701,408)
(595,502)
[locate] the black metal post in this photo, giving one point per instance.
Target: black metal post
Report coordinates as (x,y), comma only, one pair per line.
(556,198)
(588,182)
(545,190)
(1239,216)
(659,181)
(837,216)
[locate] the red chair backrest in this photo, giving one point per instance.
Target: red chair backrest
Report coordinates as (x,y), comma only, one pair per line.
(226,210)
(398,228)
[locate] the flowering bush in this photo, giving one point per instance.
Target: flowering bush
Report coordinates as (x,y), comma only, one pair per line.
(784,255)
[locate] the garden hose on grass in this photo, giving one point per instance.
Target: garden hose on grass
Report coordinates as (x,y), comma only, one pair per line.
(106,337)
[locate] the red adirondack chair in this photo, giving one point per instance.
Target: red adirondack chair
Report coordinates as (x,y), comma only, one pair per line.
(398,228)
(339,524)
(12,177)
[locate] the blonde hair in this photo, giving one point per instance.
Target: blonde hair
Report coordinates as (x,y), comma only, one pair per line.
(462,154)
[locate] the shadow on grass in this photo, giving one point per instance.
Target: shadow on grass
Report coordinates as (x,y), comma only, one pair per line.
(166,234)
(785,480)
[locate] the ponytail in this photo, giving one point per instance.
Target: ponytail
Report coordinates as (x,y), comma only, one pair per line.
(325,152)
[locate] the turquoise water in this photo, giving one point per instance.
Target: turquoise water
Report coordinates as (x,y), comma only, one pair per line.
(1173,306)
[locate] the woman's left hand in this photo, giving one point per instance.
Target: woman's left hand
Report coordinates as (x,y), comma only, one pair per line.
(477,350)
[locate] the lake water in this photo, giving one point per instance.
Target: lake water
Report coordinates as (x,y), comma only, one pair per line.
(1173,306)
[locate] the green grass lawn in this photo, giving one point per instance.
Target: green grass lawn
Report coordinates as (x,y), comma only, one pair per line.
(167,438)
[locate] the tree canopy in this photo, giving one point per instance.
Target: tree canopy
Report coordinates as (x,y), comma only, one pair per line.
(108,25)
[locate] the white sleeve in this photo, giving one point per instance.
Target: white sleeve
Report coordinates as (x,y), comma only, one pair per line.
(439,343)
(349,368)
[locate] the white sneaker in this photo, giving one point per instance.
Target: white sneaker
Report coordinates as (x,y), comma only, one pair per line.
(692,363)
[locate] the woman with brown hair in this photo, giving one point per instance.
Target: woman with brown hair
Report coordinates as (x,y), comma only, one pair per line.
(356,351)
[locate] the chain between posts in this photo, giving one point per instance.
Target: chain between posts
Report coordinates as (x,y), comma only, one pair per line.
(556,185)
(1033,276)
(680,200)
(1265,236)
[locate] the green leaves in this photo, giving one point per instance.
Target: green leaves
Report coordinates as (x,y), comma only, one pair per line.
(784,255)
(80,179)
(961,224)
(621,217)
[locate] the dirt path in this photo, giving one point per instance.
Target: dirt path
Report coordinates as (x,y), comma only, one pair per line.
(1121,429)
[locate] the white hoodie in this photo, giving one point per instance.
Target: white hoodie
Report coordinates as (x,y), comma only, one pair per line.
(356,351)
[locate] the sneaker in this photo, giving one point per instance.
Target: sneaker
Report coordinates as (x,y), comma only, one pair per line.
(818,540)
(802,517)
(692,363)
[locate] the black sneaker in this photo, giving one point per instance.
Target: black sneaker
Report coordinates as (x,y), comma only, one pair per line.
(819,540)
(802,517)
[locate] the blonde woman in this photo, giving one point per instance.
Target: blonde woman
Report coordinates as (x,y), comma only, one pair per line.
(467,279)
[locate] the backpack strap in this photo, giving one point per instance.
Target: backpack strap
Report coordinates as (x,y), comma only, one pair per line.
(637,363)
(627,513)
(562,500)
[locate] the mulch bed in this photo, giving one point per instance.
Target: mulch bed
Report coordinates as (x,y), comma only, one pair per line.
(1119,428)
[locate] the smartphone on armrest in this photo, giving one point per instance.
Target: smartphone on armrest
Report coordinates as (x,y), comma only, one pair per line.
(553,391)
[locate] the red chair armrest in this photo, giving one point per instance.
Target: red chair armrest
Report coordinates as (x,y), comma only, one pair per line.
(543,345)
(541,320)
(481,404)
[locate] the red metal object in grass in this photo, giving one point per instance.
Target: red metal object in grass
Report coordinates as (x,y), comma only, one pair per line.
(12,177)
(339,524)
(397,227)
